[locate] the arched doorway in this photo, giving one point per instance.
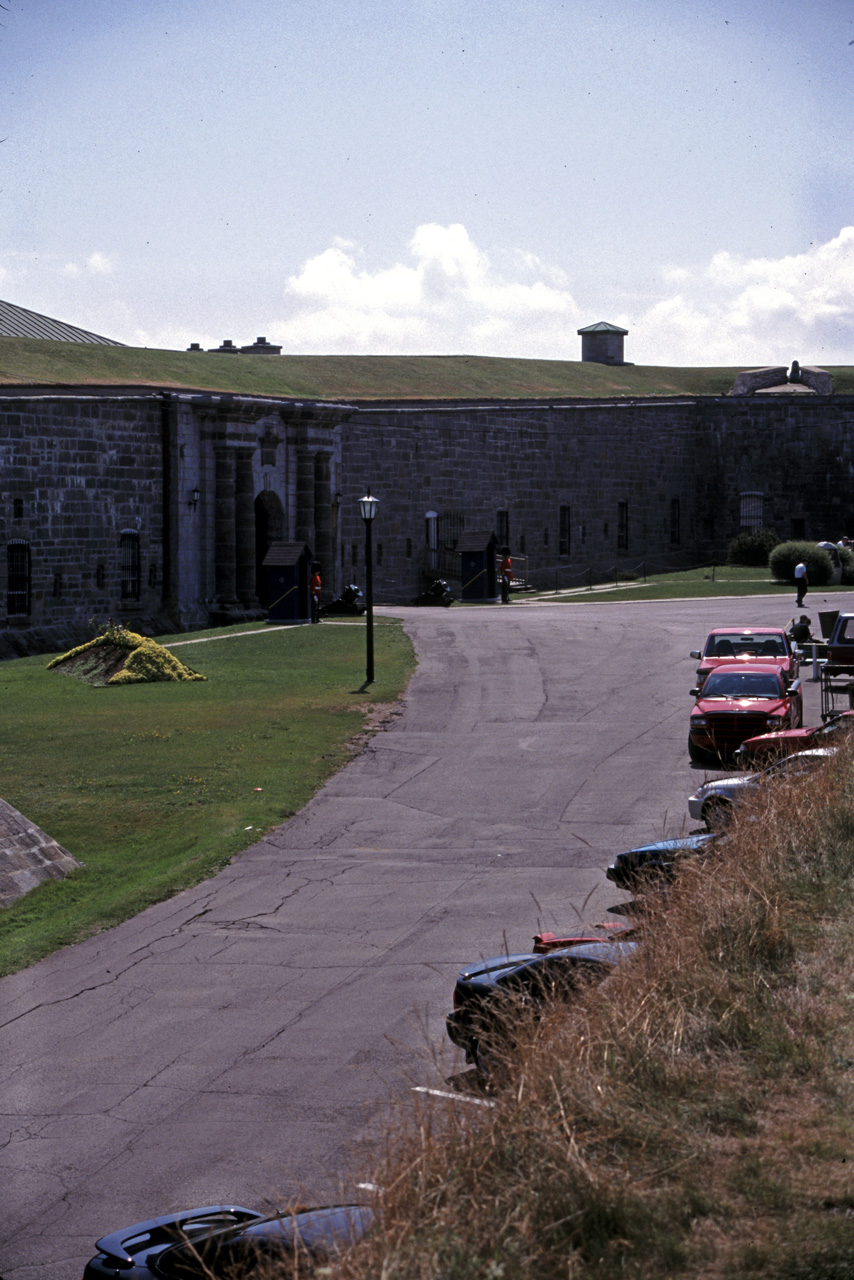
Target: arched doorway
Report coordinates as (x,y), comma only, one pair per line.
(269,527)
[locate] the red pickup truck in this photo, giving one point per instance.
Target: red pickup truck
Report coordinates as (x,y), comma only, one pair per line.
(737,702)
(768,645)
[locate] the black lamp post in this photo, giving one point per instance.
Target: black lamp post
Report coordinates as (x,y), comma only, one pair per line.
(367,510)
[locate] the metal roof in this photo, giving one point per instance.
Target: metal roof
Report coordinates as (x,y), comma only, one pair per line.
(286,553)
(602,326)
(18,322)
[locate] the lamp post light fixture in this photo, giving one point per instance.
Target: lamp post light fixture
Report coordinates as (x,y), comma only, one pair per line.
(368,510)
(193,498)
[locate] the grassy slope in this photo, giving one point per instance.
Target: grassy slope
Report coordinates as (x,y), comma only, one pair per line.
(29,361)
(693,1117)
(155,786)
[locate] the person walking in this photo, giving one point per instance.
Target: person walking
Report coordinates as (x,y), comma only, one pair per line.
(802,582)
(506,573)
(314,587)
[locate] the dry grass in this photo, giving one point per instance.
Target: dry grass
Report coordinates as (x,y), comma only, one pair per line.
(692,1116)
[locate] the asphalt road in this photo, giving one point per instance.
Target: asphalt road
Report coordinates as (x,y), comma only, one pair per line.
(234,1043)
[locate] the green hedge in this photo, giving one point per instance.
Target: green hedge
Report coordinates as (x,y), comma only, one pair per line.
(752,548)
(786,555)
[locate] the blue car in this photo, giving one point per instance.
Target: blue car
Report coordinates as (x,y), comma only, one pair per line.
(657,860)
(226,1241)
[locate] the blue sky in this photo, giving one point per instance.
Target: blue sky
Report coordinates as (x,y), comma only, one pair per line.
(436,176)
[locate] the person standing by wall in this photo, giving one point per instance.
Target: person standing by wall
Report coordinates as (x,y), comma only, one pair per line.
(506,573)
(314,587)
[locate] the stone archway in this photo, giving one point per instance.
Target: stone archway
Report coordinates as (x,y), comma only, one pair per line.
(269,528)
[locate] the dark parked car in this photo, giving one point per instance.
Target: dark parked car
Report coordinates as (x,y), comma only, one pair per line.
(631,869)
(490,993)
(226,1241)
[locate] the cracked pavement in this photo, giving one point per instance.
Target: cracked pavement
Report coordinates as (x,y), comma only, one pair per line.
(236,1042)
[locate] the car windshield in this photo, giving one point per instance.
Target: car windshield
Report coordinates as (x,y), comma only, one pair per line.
(742,684)
(795,765)
(757,644)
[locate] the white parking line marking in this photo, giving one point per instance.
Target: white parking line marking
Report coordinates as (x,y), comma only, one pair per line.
(455,1097)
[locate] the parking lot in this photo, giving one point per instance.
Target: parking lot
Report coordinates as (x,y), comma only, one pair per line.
(234,1043)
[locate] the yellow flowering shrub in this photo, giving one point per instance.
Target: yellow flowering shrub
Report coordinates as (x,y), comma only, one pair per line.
(118,656)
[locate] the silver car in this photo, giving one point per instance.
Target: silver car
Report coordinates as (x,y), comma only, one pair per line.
(713,802)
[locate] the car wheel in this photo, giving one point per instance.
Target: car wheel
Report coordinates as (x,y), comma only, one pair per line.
(491,1062)
(716,813)
(695,753)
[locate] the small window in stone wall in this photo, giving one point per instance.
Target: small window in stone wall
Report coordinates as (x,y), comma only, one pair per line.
(100,575)
(582,529)
(409,548)
(675,523)
(605,528)
(521,544)
(379,553)
(564,532)
(18,578)
(18,509)
(57,586)
(354,554)
(622,526)
(502,528)
(129,564)
(545,537)
(152,574)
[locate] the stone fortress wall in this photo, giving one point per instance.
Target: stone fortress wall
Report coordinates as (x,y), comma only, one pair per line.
(157,507)
(655,480)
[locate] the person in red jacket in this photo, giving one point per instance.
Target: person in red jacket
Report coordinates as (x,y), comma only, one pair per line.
(506,573)
(314,587)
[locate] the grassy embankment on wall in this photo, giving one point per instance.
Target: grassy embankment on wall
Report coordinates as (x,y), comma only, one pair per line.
(26,361)
(694,1116)
(155,786)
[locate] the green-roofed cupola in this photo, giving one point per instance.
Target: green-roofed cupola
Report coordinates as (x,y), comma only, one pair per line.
(602,343)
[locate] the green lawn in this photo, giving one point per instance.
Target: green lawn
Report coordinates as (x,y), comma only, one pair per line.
(702,583)
(154,787)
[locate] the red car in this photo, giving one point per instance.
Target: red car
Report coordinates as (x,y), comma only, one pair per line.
(756,753)
(768,645)
(738,702)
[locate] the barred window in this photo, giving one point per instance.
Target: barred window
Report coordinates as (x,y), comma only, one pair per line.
(565,532)
(450,526)
(18,567)
(129,564)
(752,511)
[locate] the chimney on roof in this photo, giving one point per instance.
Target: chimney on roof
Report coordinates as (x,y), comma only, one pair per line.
(602,343)
(261,347)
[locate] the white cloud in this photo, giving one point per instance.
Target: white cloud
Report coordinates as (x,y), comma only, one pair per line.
(752,311)
(447,298)
(100,263)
